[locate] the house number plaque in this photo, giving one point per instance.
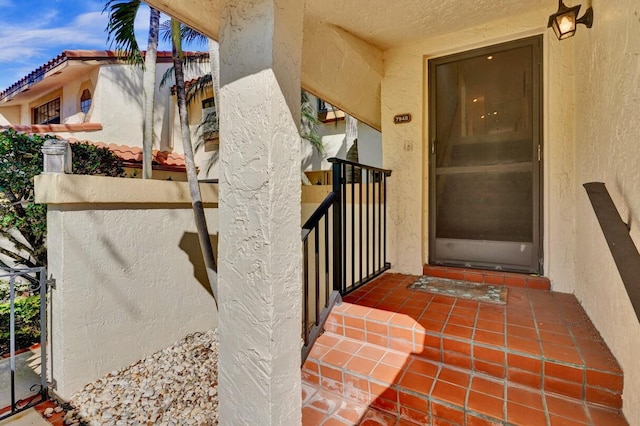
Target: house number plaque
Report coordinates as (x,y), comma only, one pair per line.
(401,118)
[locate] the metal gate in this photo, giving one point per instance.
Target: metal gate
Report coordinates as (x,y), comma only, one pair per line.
(23,299)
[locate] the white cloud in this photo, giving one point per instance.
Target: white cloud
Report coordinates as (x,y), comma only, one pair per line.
(92,20)
(21,42)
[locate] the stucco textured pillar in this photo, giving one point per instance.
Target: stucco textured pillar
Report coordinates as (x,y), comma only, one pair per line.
(259,246)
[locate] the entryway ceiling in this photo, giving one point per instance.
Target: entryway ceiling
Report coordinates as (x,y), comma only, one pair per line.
(382,23)
(389,23)
(347,38)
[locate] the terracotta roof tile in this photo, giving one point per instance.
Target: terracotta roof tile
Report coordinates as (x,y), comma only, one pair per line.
(39,73)
(190,83)
(54,128)
(132,155)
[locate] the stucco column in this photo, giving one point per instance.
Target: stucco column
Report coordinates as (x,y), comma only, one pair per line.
(259,245)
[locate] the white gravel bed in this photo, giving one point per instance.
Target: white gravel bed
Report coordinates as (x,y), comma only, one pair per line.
(175,386)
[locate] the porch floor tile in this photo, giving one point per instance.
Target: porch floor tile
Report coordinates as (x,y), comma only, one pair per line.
(441,360)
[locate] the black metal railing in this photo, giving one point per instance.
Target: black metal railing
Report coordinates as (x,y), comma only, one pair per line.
(616,232)
(319,287)
(343,242)
(363,226)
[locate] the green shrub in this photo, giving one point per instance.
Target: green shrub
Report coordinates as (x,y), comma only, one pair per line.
(20,288)
(21,159)
(27,315)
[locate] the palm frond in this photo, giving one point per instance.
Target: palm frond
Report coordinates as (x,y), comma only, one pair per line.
(193,90)
(120,29)
(167,77)
(165,30)
(198,88)
(189,35)
(195,58)
(309,123)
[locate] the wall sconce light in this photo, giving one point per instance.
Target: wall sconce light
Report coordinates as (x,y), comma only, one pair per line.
(565,20)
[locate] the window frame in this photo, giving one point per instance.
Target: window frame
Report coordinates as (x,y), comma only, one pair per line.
(83,100)
(37,113)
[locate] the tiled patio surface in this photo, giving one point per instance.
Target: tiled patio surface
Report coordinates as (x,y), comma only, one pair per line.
(396,356)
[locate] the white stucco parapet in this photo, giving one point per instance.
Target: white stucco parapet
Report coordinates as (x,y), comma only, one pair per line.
(124,253)
(79,189)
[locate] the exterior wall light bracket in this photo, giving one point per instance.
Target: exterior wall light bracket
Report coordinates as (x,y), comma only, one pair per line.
(565,20)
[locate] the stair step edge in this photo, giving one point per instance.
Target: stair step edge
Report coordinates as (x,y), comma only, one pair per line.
(332,369)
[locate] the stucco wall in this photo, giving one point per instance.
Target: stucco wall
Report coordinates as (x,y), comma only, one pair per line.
(607,135)
(404,90)
(356,67)
(9,115)
(118,106)
(129,272)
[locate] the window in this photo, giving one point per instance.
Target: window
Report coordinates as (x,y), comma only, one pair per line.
(48,113)
(208,103)
(327,112)
(85,101)
(209,125)
(323,107)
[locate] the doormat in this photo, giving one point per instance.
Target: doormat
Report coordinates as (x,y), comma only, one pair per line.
(462,289)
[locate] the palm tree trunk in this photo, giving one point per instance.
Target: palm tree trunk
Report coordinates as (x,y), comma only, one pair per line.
(149,85)
(192,174)
(214,58)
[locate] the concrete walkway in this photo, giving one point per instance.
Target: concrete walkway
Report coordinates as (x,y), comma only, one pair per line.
(28,417)
(27,374)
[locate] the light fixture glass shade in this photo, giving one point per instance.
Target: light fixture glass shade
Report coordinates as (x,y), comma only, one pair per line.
(565,20)
(564,25)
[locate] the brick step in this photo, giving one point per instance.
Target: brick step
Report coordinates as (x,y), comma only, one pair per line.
(540,339)
(347,381)
(509,279)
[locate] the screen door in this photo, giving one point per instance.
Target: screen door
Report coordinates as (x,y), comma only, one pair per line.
(485,157)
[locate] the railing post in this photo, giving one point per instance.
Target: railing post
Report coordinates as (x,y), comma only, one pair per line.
(337,228)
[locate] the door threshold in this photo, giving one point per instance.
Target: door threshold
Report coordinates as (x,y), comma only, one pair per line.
(510,279)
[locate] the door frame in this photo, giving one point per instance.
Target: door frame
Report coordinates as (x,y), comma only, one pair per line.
(536,42)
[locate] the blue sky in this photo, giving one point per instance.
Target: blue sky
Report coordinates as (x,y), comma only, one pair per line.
(34,31)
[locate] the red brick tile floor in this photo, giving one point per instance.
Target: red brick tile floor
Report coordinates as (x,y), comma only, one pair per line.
(56,419)
(394,356)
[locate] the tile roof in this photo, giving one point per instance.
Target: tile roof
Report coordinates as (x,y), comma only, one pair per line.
(54,128)
(132,156)
(82,55)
